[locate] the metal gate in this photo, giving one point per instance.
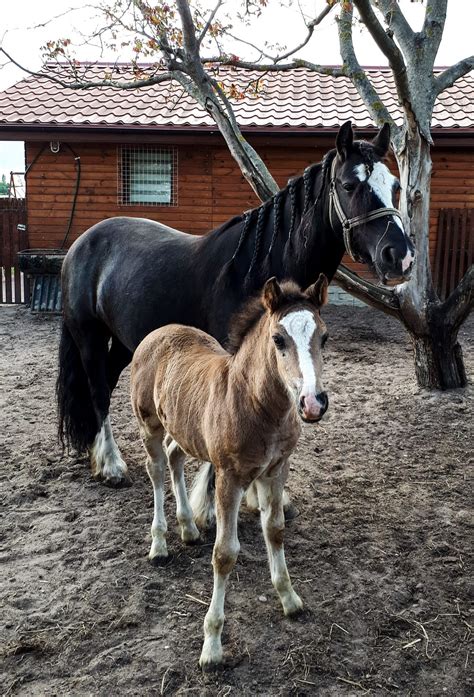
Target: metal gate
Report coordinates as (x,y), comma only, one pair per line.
(15,287)
(454,248)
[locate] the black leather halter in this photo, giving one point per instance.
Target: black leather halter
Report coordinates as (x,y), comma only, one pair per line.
(349,223)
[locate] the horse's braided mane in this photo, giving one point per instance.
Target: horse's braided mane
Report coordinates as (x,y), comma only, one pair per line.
(257,217)
(253,310)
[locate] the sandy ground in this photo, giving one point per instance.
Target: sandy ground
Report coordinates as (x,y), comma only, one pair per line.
(380,552)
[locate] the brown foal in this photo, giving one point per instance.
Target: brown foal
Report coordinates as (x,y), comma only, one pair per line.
(240,410)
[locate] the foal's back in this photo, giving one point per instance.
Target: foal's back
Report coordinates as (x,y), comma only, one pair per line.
(178,370)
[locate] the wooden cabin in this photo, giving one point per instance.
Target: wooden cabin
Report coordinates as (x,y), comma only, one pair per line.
(154,153)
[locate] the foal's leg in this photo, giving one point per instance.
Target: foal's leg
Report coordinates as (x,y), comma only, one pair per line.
(251,499)
(270,497)
(226,548)
(184,514)
(156,468)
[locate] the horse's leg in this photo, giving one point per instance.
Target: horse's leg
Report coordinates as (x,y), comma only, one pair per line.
(270,498)
(226,548)
(106,461)
(152,436)
(184,514)
(251,499)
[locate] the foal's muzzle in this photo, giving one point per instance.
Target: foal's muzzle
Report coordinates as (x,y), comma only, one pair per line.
(313,407)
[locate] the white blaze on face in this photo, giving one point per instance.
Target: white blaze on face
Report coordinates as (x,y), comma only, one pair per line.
(300,326)
(381,182)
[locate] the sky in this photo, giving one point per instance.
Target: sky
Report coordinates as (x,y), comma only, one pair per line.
(26,27)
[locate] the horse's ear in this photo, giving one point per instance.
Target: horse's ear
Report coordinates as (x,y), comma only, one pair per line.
(381,142)
(271,294)
(344,140)
(318,292)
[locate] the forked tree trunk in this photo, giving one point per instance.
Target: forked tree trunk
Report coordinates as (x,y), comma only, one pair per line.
(438,355)
(438,358)
(432,325)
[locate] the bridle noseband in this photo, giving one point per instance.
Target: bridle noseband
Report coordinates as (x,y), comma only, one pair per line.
(349,223)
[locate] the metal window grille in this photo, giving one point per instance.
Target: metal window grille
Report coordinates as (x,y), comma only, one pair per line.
(147,176)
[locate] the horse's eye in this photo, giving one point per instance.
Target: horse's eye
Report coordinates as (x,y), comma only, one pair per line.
(324,338)
(279,341)
(348,186)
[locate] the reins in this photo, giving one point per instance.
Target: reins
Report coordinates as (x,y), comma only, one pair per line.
(349,223)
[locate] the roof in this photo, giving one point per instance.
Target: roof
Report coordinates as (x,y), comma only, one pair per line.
(298,100)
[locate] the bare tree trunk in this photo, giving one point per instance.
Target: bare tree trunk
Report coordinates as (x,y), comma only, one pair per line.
(438,356)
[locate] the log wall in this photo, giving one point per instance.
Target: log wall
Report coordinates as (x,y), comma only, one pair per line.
(211,188)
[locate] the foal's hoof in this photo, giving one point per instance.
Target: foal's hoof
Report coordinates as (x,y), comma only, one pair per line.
(290,511)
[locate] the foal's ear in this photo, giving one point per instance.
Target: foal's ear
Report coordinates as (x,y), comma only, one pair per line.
(381,142)
(271,294)
(344,140)
(318,292)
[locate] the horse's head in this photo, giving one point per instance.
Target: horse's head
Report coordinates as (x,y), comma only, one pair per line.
(297,335)
(363,205)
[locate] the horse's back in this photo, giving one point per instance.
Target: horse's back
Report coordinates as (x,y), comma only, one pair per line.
(121,271)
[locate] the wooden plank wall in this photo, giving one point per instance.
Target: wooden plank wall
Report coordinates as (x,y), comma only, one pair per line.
(51,183)
(211,188)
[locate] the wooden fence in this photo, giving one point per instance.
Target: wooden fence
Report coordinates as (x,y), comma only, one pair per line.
(13,238)
(455,248)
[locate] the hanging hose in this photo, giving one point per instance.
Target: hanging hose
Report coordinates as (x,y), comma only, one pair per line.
(77,164)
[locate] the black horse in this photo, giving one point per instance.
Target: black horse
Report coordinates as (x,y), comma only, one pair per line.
(127,276)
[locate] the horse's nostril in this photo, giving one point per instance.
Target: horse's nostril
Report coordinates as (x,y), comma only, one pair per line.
(301,402)
(323,400)
(389,256)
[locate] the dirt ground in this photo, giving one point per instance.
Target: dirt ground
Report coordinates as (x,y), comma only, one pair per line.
(380,552)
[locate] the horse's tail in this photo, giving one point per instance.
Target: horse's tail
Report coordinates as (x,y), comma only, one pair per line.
(77,425)
(201,497)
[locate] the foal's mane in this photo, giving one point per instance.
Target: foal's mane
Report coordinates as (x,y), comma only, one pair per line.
(253,310)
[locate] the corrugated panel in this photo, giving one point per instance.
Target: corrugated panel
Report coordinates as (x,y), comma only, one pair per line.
(46,294)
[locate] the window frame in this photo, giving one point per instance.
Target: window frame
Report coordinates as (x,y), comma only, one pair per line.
(130,154)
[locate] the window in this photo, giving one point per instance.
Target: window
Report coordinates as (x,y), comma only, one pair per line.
(147,176)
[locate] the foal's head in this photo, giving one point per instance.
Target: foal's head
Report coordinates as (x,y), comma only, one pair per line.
(297,335)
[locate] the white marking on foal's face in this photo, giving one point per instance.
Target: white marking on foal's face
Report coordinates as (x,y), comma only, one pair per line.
(300,326)
(381,182)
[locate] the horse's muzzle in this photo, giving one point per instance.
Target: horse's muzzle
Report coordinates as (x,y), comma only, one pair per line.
(313,407)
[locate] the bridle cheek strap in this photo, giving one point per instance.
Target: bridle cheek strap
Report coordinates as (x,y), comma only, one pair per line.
(349,223)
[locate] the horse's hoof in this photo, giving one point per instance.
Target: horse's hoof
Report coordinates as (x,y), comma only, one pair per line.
(121,481)
(160,560)
(193,542)
(291,512)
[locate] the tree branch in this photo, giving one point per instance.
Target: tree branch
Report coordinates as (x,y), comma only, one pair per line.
(460,303)
(433,27)
(88,84)
(189,35)
(384,299)
(310,26)
(371,99)
(396,22)
(449,76)
(209,22)
(386,44)
(274,67)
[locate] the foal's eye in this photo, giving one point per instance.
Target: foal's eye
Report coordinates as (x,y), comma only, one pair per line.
(279,341)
